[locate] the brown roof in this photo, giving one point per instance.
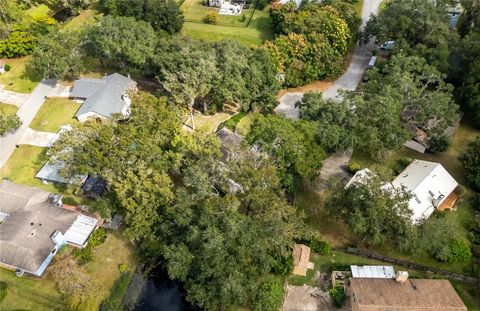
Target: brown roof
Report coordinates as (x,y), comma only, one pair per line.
(414,294)
(25,235)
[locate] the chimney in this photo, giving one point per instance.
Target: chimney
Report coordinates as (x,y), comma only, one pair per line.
(401,276)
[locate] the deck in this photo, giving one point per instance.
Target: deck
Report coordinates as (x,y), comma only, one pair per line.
(449,202)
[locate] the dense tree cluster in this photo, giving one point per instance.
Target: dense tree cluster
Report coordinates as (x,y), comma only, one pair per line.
(292,144)
(168,183)
(163,15)
(471,164)
(311,42)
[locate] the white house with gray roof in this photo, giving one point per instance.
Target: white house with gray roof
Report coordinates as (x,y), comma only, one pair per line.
(103,98)
(34,226)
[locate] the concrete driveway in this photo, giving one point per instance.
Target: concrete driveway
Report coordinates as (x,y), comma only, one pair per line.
(26,113)
(12,98)
(349,80)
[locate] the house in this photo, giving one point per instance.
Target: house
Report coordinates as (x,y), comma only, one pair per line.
(51,172)
(103,98)
(301,259)
(230,143)
(2,66)
(403,294)
(34,226)
(431,185)
(454,11)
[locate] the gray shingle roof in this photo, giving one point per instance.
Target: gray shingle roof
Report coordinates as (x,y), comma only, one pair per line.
(25,235)
(104,96)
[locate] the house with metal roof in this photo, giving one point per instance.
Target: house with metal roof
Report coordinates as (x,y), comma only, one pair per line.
(432,187)
(34,226)
(103,98)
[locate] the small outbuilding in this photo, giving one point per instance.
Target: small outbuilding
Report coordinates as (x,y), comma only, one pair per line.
(301,259)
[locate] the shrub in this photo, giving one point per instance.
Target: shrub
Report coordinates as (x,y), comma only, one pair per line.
(459,251)
(320,247)
(98,237)
(7,67)
(261,4)
(69,201)
(3,290)
(122,267)
(402,164)
(269,296)
(243,18)
(283,266)
(211,18)
(84,255)
(354,167)
(439,143)
(338,296)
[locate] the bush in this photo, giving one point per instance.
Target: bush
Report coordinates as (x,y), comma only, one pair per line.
(211,18)
(7,67)
(98,237)
(338,296)
(459,251)
(69,201)
(320,247)
(84,255)
(261,4)
(283,266)
(354,167)
(122,267)
(402,164)
(269,296)
(439,143)
(243,18)
(3,290)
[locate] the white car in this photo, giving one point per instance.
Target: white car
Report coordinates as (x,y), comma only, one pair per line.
(387,45)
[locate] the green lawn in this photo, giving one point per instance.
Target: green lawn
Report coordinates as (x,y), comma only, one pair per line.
(254,30)
(27,293)
(38,11)
(85,18)
(16,79)
(243,126)
(9,109)
(54,113)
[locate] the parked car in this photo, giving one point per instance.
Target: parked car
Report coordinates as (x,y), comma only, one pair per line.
(387,45)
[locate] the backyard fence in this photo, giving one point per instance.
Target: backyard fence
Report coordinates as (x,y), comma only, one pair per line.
(412,265)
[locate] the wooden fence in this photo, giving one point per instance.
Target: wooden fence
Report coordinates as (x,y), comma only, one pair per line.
(412,265)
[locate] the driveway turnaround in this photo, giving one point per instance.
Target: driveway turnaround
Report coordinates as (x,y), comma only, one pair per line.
(349,80)
(26,113)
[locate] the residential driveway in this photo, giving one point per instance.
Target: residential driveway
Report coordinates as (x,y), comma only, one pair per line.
(37,138)
(334,169)
(61,91)
(349,80)
(26,113)
(12,98)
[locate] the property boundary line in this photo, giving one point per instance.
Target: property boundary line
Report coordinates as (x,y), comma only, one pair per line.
(412,265)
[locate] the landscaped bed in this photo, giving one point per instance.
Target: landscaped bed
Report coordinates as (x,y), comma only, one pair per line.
(54,113)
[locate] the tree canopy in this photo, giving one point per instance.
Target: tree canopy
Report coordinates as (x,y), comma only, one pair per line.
(8,123)
(168,183)
(293,144)
(471,164)
(163,15)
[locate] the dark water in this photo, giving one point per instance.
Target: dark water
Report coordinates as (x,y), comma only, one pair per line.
(155,292)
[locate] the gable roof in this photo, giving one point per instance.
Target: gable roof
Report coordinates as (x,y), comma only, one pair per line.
(429,183)
(105,96)
(229,141)
(414,294)
(25,234)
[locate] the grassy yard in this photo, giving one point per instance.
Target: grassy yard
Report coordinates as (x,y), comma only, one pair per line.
(104,268)
(9,109)
(243,126)
(27,293)
(16,79)
(85,18)
(38,11)
(54,113)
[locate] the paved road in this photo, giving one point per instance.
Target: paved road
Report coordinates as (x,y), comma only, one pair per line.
(26,113)
(349,80)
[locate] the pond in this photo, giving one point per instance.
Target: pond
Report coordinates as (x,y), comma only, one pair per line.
(155,292)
